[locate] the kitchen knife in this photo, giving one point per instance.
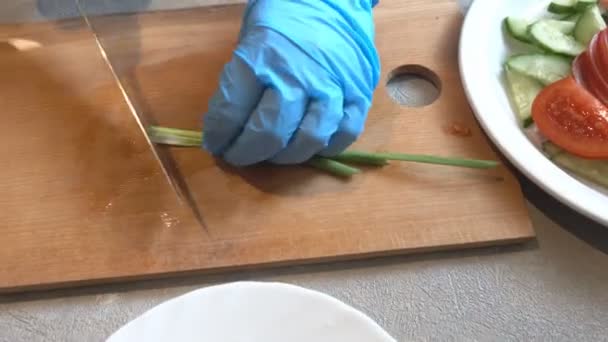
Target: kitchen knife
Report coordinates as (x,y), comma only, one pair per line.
(164,159)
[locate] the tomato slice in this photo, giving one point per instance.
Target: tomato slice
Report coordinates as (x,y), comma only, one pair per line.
(588,77)
(598,51)
(577,72)
(572,118)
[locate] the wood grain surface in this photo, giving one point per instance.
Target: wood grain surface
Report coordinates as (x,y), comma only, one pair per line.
(83,200)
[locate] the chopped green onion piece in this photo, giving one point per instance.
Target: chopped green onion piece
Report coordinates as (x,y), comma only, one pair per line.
(334,167)
(175,137)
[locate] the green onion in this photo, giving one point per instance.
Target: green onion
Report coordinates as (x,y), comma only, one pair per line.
(418,158)
(333,167)
(186,138)
(175,137)
(358,157)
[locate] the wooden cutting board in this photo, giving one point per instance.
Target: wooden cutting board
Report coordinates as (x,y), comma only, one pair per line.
(84,202)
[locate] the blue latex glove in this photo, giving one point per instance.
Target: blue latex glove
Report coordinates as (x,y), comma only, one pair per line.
(300,82)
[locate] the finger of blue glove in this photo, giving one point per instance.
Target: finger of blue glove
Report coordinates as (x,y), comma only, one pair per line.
(320,122)
(351,127)
(229,108)
(270,126)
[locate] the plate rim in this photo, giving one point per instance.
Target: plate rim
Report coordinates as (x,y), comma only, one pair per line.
(253,285)
(553,179)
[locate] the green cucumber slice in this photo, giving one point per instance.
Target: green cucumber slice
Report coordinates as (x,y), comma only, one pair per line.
(551,150)
(581,5)
(564,26)
(562,6)
(523,90)
(518,28)
(589,24)
(572,18)
(592,170)
(543,68)
(550,38)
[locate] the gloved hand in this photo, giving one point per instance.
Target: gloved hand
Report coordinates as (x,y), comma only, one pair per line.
(300,82)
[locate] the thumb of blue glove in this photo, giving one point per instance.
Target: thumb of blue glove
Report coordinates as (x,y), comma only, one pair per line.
(300,82)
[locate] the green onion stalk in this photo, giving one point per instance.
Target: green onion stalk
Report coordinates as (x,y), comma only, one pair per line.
(336,165)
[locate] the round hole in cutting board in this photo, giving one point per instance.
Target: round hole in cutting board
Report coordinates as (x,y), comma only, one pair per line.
(413,86)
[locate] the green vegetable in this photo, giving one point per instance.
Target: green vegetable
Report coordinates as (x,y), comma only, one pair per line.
(518,28)
(545,68)
(590,169)
(522,90)
(358,157)
(551,37)
(581,5)
(562,6)
(335,165)
(589,24)
(420,158)
(573,18)
(175,137)
(186,138)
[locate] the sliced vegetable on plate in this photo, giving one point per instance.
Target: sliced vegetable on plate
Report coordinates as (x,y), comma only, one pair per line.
(524,90)
(587,75)
(590,169)
(589,24)
(544,68)
(572,118)
(550,36)
(599,51)
(562,6)
(562,90)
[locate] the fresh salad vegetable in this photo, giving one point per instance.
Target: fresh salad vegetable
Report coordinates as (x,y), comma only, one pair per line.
(573,119)
(562,6)
(559,88)
(336,165)
(590,169)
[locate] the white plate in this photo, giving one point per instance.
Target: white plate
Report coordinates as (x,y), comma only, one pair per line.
(252,312)
(483,49)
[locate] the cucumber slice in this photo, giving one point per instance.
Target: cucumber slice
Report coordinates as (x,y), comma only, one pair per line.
(589,24)
(581,5)
(592,170)
(562,6)
(550,38)
(523,90)
(564,26)
(551,150)
(573,18)
(543,68)
(518,28)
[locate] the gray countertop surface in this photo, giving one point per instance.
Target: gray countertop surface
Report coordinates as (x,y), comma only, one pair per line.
(555,288)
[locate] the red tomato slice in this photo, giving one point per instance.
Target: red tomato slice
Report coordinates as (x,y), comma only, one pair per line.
(572,118)
(578,72)
(586,75)
(601,50)
(598,51)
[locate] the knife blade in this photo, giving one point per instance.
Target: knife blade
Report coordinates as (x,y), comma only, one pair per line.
(164,159)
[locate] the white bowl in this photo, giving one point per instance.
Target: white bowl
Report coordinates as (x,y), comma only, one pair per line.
(483,49)
(252,312)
